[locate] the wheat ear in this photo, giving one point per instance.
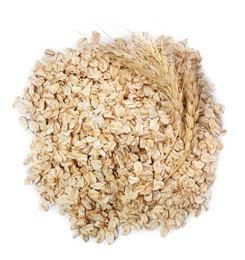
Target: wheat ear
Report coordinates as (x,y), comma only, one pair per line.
(191,95)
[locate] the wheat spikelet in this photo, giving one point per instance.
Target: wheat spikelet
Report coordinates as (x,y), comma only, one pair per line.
(192,111)
(191,95)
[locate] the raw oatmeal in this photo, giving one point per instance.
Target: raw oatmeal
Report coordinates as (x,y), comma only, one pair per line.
(126,135)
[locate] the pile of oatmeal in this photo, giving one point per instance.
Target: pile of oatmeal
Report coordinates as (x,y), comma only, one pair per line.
(125,135)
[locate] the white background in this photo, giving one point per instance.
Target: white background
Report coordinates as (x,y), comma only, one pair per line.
(216,28)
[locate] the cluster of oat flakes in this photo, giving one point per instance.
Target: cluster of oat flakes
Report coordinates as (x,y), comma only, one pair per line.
(125,135)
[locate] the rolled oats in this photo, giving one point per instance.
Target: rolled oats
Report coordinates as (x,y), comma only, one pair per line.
(125,135)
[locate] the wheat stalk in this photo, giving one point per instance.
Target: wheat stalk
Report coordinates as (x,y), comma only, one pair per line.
(143,56)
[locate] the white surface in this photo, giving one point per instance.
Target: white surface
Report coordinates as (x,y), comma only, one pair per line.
(216,28)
